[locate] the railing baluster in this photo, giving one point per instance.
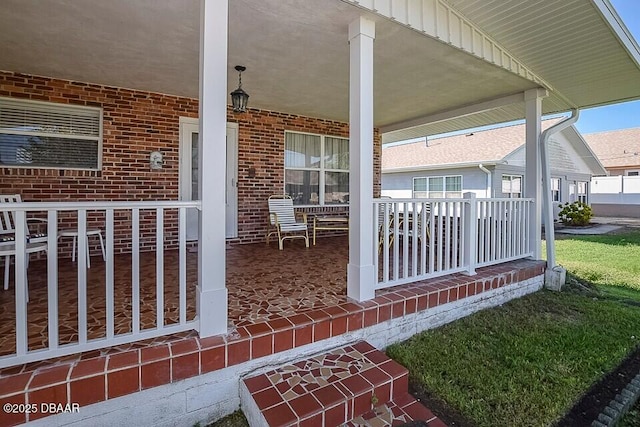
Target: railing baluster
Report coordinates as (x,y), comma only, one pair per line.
(447,240)
(480,239)
(503,216)
(432,231)
(376,239)
(20,281)
(405,239)
(440,236)
(487,237)
(109,277)
(457,216)
(396,243)
(135,270)
(414,238)
(385,244)
(159,268)
(423,236)
(495,230)
(512,230)
(52,278)
(82,276)
(182,247)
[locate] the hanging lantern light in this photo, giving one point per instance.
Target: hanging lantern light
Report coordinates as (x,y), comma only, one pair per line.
(239,97)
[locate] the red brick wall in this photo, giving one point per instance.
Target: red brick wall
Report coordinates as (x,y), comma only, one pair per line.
(136,123)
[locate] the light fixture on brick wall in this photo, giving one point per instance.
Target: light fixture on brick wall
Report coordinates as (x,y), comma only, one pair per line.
(239,97)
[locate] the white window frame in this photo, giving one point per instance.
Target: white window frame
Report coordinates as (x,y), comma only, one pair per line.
(445,192)
(582,197)
(321,170)
(556,190)
(511,193)
(54,107)
(632,172)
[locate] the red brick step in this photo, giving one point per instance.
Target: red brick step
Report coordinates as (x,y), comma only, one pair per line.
(333,389)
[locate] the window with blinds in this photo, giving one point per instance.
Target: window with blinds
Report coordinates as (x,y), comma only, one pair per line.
(48,135)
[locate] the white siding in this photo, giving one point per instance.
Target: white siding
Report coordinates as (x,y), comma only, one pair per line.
(400,185)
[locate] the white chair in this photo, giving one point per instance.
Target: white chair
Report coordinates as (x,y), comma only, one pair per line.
(283,223)
(36,241)
(90,232)
(7,250)
(8,227)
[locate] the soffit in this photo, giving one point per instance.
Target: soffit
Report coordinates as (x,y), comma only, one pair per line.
(588,59)
(296,53)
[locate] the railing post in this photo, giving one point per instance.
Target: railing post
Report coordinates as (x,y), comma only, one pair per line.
(470,233)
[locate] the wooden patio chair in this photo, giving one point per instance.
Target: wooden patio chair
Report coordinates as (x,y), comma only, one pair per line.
(283,223)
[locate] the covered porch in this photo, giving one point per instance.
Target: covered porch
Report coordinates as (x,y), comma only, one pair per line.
(159,309)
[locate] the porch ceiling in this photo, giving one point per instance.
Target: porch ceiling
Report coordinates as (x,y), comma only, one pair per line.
(297,54)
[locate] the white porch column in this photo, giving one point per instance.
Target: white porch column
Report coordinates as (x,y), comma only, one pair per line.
(211,288)
(361,274)
(533,171)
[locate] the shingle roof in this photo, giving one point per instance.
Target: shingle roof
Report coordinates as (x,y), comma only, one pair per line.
(618,148)
(485,146)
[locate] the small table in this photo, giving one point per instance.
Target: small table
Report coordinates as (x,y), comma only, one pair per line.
(329,223)
(90,232)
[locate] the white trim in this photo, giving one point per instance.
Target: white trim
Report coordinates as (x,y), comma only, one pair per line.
(444,186)
(321,170)
(232,174)
(187,126)
(512,175)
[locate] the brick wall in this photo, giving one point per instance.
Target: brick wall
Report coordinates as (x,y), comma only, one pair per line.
(136,123)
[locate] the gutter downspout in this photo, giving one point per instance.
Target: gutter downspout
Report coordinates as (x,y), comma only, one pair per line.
(488,172)
(549,231)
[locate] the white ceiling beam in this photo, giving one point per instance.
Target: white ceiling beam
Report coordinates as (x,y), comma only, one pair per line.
(463,111)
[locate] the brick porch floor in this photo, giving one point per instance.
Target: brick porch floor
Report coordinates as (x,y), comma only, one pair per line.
(278,300)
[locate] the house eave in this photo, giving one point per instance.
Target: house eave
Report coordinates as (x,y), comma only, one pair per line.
(441,166)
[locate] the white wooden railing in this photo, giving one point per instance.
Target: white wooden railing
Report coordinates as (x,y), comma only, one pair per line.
(418,239)
(116,219)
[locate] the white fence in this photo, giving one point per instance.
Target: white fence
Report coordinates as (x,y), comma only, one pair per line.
(622,190)
(161,220)
(419,239)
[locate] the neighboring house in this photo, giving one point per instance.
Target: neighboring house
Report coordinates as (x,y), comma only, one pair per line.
(619,193)
(116,116)
(489,163)
(617,150)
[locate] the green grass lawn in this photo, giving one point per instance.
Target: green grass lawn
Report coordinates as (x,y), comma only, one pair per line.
(527,362)
(605,260)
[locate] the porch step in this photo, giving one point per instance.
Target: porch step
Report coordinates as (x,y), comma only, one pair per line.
(355,385)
